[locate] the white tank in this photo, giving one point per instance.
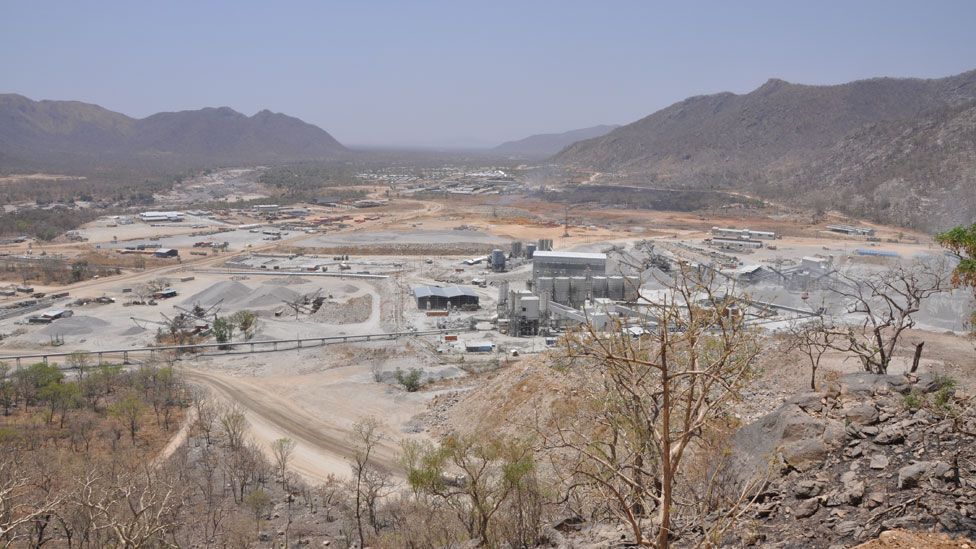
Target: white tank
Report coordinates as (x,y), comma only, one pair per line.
(503,292)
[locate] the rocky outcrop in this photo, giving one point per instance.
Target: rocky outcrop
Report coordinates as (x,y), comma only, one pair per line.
(867,454)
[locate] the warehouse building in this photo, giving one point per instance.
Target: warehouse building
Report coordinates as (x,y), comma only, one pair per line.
(153,217)
(850,230)
(549,263)
(736,244)
(447,297)
(748,234)
(164,253)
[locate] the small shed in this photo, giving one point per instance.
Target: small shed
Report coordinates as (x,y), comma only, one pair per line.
(166,252)
(479,347)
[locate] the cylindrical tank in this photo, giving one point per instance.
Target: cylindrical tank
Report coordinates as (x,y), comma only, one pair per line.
(615,287)
(529,250)
(632,286)
(599,286)
(544,286)
(503,292)
(497,260)
(560,292)
(516,249)
(577,289)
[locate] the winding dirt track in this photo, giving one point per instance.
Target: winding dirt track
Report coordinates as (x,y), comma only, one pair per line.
(322,447)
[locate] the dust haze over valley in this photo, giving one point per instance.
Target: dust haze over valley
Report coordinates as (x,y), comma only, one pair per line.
(385,299)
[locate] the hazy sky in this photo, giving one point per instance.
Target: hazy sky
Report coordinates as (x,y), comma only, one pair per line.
(458,73)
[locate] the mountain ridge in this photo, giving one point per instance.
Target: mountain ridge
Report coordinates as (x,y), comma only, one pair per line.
(777,130)
(66,133)
(548,144)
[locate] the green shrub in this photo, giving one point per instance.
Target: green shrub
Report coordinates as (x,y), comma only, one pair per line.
(410,380)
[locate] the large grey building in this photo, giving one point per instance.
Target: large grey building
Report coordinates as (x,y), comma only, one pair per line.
(448,297)
(548,263)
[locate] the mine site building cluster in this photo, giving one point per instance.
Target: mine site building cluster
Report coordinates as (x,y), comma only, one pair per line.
(743,234)
(850,230)
(446,297)
(154,217)
(736,243)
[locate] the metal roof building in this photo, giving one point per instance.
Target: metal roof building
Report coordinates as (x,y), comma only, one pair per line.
(446,297)
(549,263)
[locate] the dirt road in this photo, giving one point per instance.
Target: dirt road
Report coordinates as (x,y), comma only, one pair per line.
(322,448)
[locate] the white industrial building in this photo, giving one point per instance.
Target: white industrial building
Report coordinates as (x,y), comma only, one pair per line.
(747,234)
(736,243)
(550,263)
(152,217)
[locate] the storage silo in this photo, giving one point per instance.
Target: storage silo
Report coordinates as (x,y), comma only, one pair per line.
(544,286)
(502,292)
(599,286)
(529,250)
(632,286)
(516,249)
(497,260)
(560,292)
(577,289)
(615,288)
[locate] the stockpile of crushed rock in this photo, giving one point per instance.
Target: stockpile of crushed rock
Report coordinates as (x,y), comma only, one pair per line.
(73,326)
(351,311)
(232,294)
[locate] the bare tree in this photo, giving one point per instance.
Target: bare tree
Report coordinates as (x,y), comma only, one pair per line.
(234,424)
(282,450)
(813,339)
(139,509)
(888,302)
(17,508)
(646,402)
(365,437)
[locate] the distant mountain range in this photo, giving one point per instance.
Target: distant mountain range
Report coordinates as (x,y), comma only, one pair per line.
(896,150)
(548,144)
(76,134)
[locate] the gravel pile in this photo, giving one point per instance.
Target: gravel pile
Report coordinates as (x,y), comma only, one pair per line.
(353,311)
(73,326)
(227,291)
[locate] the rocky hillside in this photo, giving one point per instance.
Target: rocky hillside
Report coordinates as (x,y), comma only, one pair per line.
(548,144)
(868,454)
(780,131)
(71,133)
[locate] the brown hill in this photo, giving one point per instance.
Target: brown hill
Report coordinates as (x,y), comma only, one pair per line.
(920,172)
(71,133)
(741,141)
